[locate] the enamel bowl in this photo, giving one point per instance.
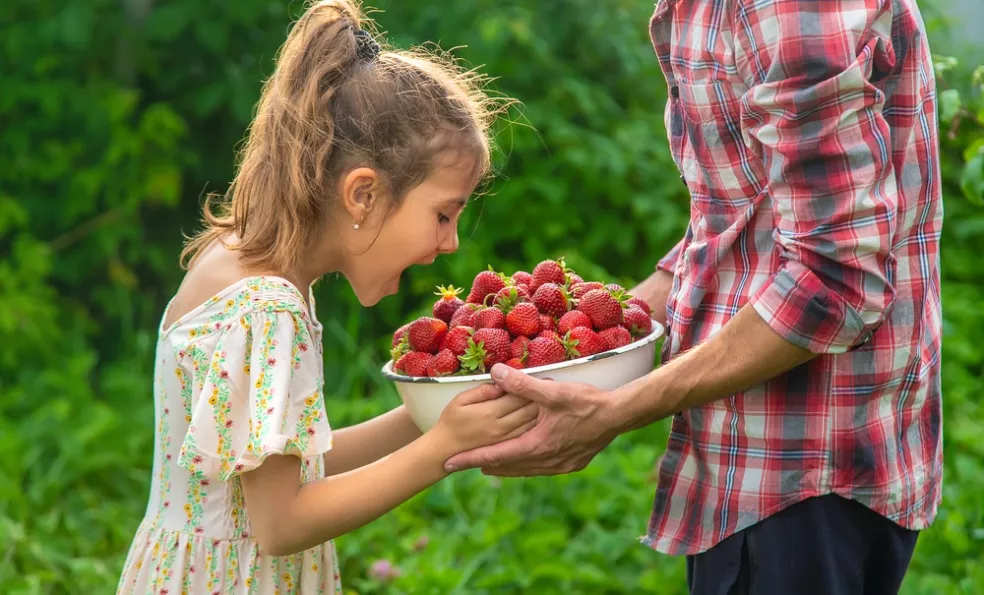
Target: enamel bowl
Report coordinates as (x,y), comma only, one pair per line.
(426,398)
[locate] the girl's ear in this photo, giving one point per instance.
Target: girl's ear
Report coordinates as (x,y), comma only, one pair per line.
(360,190)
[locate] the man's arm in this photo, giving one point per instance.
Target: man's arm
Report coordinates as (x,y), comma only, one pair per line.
(655,290)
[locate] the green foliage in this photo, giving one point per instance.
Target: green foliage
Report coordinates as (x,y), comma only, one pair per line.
(115,120)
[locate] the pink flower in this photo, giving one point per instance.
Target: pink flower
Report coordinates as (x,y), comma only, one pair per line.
(166,411)
(383,570)
(228,423)
(205,482)
(310,431)
(199,530)
(224,374)
(196,459)
(272,361)
(302,346)
(167,503)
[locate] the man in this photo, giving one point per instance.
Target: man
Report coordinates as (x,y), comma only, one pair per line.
(802,306)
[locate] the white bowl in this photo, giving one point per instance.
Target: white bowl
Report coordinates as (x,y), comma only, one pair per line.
(425,398)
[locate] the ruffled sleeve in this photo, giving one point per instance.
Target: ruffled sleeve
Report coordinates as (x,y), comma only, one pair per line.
(262,395)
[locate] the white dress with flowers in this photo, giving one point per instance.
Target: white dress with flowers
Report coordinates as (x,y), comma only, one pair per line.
(237,379)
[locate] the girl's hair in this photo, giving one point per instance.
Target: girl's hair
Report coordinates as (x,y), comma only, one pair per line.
(335,101)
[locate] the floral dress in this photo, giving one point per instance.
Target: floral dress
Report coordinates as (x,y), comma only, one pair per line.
(237,379)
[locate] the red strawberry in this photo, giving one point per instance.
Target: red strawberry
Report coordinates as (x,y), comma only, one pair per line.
(457,339)
(449,303)
(579,289)
(507,298)
(522,278)
(586,342)
(485,283)
(518,348)
(488,346)
(604,309)
(573,278)
(426,334)
(414,363)
(548,271)
(616,336)
(637,321)
(516,363)
(544,351)
(549,335)
(643,304)
(444,363)
(523,320)
(490,318)
(613,287)
(548,323)
(572,319)
(525,287)
(552,299)
(465,316)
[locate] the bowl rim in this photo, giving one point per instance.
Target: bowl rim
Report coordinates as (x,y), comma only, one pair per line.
(657,332)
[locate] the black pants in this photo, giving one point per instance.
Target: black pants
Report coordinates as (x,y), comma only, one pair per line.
(821,546)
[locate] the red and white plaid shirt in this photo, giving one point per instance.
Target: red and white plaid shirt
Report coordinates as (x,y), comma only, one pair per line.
(806,132)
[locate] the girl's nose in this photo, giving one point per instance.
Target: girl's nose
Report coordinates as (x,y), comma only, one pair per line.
(449,243)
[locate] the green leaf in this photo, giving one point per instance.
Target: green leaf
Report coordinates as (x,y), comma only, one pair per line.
(949,104)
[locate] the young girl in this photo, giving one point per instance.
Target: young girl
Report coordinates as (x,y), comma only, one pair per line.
(359,161)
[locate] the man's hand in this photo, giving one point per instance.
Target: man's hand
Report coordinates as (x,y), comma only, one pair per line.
(574,425)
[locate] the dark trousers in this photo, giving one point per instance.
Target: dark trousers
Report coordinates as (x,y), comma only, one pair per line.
(822,546)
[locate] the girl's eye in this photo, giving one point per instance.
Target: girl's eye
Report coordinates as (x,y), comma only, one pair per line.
(442,218)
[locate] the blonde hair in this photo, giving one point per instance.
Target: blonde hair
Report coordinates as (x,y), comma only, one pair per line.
(328,107)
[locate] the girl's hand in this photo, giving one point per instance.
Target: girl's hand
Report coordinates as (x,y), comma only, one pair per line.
(483,416)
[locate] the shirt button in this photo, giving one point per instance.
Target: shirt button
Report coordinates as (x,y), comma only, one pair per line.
(675,92)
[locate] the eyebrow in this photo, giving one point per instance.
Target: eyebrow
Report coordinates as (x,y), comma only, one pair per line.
(455,201)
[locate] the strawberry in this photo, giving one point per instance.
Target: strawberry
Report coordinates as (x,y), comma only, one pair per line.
(518,348)
(544,351)
(552,299)
(548,335)
(613,287)
(444,363)
(449,303)
(579,289)
(523,320)
(485,283)
(507,297)
(525,287)
(488,346)
(586,342)
(573,278)
(548,271)
(572,319)
(489,318)
(465,316)
(414,363)
(516,363)
(603,308)
(637,321)
(457,339)
(635,301)
(522,278)
(400,332)
(548,323)
(426,334)
(401,346)
(616,336)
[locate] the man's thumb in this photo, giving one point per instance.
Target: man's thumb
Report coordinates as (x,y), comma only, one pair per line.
(519,383)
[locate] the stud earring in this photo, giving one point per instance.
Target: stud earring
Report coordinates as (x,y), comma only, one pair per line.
(355,226)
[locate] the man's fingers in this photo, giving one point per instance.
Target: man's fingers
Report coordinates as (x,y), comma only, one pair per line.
(484,392)
(493,455)
(519,383)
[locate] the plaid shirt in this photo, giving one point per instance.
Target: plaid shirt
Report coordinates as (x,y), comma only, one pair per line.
(806,132)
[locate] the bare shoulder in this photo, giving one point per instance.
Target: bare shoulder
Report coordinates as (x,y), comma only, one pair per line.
(212,271)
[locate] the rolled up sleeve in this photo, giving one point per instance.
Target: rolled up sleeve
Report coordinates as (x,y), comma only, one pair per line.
(813,116)
(669,260)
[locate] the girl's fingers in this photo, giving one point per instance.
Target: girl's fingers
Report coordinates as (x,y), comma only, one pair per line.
(521,430)
(521,416)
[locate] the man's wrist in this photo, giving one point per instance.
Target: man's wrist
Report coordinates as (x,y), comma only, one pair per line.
(638,404)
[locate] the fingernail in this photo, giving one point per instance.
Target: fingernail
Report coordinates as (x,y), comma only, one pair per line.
(450,468)
(499,371)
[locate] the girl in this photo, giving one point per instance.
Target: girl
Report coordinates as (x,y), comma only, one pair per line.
(359,161)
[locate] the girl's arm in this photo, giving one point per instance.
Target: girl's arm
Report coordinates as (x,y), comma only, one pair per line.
(359,445)
(288,517)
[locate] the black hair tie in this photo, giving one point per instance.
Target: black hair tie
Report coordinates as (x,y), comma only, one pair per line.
(366,47)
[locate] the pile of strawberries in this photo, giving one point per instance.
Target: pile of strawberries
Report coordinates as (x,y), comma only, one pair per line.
(523,320)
